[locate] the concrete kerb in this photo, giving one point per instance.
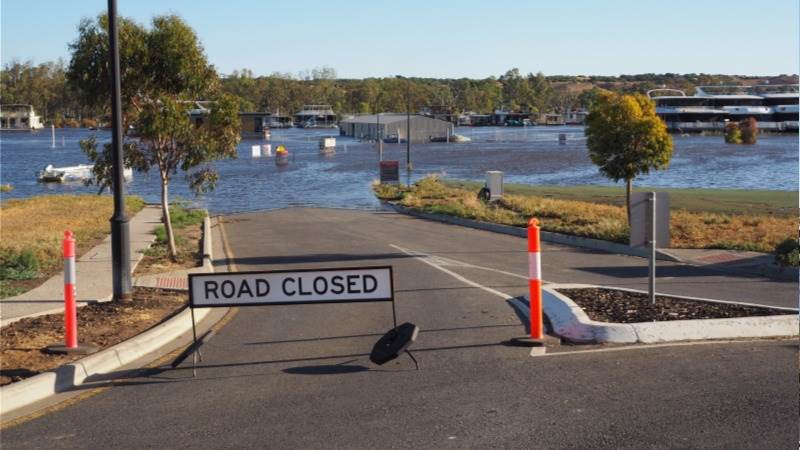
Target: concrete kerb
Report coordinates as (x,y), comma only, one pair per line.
(547,236)
(207,247)
(65,378)
(570,322)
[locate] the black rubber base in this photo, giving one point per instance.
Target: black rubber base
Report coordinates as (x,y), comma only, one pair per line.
(527,341)
(61,349)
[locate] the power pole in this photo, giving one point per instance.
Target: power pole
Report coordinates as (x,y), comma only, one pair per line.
(120,231)
(408,128)
(379,136)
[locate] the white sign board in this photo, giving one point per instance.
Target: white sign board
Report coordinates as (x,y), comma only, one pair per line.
(364,284)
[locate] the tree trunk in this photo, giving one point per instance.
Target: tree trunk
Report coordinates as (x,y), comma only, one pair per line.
(173,252)
(628,189)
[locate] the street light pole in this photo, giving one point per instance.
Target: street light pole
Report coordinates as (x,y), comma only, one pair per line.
(120,232)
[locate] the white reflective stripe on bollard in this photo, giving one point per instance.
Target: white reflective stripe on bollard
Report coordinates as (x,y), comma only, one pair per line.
(534,266)
(69,270)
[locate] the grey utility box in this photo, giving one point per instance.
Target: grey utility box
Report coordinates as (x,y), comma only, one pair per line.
(494,183)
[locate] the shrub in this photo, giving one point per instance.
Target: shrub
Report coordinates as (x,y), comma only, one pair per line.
(733,135)
(787,253)
(430,188)
(182,216)
(18,265)
(88,123)
(388,192)
(749,130)
(70,123)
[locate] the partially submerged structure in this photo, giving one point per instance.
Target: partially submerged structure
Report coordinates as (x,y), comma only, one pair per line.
(392,127)
(19,117)
(253,124)
(316,116)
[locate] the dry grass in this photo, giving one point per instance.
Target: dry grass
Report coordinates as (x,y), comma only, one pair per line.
(38,224)
(600,221)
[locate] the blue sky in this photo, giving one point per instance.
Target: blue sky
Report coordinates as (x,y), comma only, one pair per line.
(447,39)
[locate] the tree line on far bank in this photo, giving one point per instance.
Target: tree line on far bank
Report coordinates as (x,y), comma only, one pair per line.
(55,98)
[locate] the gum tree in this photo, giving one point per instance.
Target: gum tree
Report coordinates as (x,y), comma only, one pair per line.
(626,138)
(164,70)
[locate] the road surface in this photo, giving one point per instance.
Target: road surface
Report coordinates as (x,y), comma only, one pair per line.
(299,377)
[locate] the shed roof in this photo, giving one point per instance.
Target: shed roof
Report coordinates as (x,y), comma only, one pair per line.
(386,118)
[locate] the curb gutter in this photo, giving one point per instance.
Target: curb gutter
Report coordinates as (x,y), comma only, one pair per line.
(68,376)
(207,252)
(65,378)
(571,322)
(547,236)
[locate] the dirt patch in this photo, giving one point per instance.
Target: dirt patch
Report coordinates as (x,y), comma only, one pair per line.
(99,324)
(611,305)
(190,254)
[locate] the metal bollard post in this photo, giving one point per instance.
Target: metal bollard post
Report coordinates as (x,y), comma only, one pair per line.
(535,280)
(70,308)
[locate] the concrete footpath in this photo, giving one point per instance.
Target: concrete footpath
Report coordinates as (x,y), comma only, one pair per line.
(93,272)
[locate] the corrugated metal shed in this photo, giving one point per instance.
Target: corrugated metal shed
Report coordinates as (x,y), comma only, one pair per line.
(392,127)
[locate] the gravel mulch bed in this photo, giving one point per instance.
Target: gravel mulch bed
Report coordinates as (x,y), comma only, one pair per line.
(611,305)
(100,324)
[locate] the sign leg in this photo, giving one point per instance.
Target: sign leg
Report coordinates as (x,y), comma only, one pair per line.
(196,351)
(394,313)
(652,271)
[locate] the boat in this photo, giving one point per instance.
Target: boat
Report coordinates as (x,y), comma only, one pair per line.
(79,173)
(19,117)
(775,107)
(316,116)
(281,156)
(455,138)
(327,145)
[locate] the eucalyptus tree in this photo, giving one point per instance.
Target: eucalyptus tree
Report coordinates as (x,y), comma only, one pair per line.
(163,71)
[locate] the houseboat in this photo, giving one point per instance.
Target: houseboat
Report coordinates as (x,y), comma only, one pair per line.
(19,117)
(775,107)
(316,116)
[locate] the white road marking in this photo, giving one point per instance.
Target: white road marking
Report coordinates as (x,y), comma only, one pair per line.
(442,261)
(427,260)
(651,346)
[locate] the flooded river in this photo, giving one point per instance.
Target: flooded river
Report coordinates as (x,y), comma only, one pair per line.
(529,155)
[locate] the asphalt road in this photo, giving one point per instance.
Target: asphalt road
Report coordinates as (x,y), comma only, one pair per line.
(299,377)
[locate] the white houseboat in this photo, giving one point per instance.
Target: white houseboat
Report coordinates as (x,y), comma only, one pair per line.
(775,107)
(18,117)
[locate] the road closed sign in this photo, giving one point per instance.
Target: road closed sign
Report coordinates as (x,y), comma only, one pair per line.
(364,284)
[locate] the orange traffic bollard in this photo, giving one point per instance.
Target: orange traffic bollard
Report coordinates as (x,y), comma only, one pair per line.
(70,345)
(70,308)
(535,280)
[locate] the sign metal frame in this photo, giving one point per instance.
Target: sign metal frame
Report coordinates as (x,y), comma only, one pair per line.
(195,347)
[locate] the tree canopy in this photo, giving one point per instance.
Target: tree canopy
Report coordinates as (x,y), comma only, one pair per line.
(626,138)
(46,87)
(163,71)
